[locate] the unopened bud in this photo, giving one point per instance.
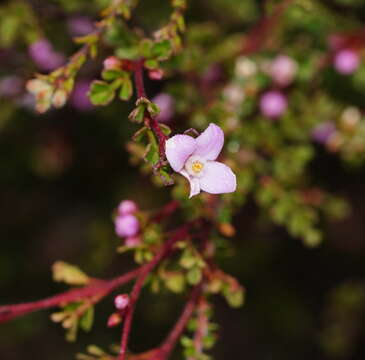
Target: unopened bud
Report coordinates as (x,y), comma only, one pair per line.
(112,63)
(127,207)
(59,98)
(114,320)
(155,74)
(121,301)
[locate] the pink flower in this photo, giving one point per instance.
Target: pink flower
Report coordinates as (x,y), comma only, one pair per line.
(273,104)
(346,61)
(282,70)
(166,104)
(121,301)
(195,159)
(43,54)
(79,98)
(126,225)
(80,25)
(127,207)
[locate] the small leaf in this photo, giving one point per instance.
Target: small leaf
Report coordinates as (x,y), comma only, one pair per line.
(151,64)
(137,114)
(138,136)
(153,109)
(161,50)
(165,129)
(235,298)
(86,321)
(175,282)
(113,74)
(101,93)
(70,274)
(194,276)
(126,89)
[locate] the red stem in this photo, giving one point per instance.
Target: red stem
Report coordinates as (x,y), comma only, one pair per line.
(179,235)
(171,340)
(104,287)
(149,120)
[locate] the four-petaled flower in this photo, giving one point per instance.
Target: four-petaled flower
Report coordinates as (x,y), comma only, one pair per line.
(195,159)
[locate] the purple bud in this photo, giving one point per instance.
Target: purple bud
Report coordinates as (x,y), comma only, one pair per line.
(273,104)
(79,98)
(282,70)
(126,225)
(166,104)
(127,207)
(11,85)
(322,132)
(44,56)
(80,25)
(346,61)
(121,301)
(132,241)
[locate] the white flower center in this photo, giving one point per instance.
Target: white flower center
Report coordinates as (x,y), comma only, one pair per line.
(195,166)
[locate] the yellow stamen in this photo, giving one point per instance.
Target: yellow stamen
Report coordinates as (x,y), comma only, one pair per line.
(197,167)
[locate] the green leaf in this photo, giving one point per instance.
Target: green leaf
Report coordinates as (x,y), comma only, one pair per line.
(101,93)
(138,136)
(175,282)
(87,320)
(194,276)
(145,48)
(161,50)
(235,298)
(153,109)
(113,74)
(151,64)
(126,89)
(137,114)
(165,129)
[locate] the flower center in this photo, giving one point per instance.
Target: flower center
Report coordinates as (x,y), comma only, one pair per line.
(195,166)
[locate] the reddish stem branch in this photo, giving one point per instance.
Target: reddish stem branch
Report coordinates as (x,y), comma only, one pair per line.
(171,340)
(104,287)
(149,120)
(165,251)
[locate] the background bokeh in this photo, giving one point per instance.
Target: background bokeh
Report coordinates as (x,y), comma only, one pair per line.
(63,173)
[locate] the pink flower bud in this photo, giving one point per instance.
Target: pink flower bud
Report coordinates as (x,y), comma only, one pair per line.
(155,74)
(114,320)
(282,70)
(167,106)
(121,301)
(127,207)
(59,98)
(126,225)
(112,63)
(273,104)
(132,241)
(346,61)
(323,131)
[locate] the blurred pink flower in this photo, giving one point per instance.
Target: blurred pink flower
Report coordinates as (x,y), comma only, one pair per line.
(346,61)
(121,301)
(273,104)
(132,241)
(126,225)
(323,131)
(127,207)
(195,159)
(43,54)
(11,85)
(166,104)
(283,70)
(79,98)
(80,25)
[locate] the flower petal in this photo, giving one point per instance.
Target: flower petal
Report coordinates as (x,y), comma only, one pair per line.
(218,178)
(210,142)
(194,183)
(178,149)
